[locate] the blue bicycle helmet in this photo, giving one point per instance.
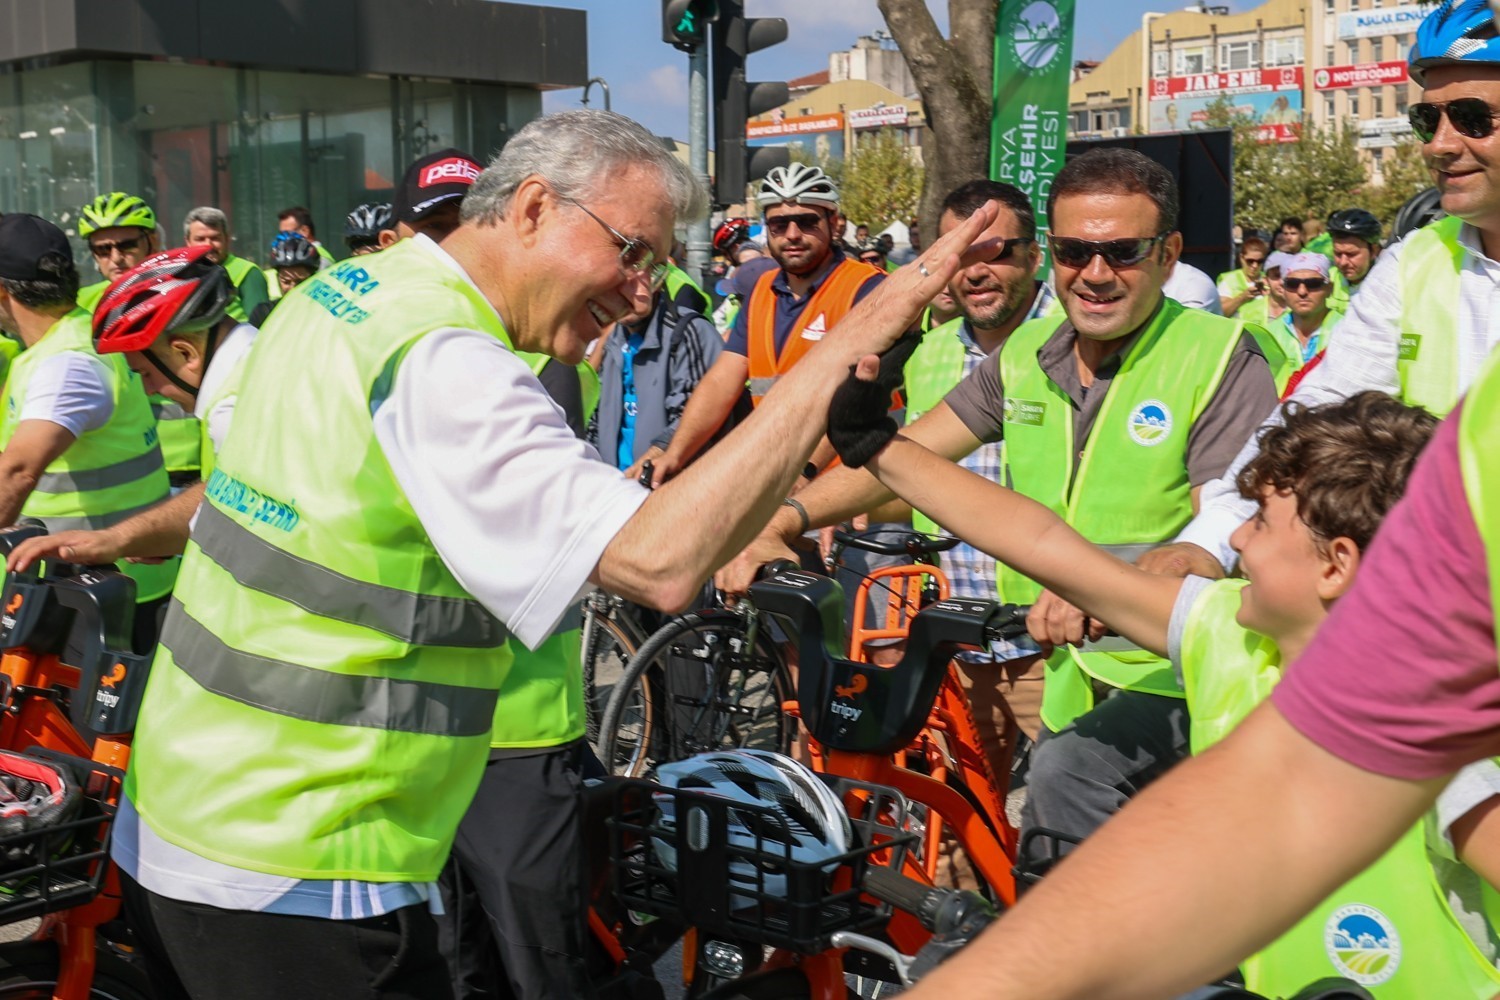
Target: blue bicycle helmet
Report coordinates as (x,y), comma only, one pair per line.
(1460,32)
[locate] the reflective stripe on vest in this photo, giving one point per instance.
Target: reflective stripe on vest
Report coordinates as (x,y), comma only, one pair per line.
(322,699)
(107,474)
(1428,356)
(1390,927)
(1131,485)
(834,297)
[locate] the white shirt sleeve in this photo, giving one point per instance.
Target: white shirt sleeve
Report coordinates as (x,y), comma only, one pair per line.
(519,509)
(232,353)
(1362,356)
(1193,288)
(71,390)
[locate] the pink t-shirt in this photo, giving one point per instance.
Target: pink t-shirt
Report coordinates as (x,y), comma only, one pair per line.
(1402,678)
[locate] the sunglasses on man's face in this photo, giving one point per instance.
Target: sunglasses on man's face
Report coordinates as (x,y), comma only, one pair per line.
(1311,284)
(1072,252)
(804,221)
(1257,261)
(104,249)
(1469,116)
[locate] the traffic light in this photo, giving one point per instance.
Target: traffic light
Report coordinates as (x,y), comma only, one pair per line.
(735,36)
(684,23)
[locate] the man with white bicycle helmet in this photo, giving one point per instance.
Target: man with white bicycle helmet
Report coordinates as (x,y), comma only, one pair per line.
(121,232)
(170,318)
(786,313)
(1421,326)
(1395,692)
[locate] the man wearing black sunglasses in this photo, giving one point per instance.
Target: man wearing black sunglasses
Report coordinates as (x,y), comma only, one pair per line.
(1310,318)
(1115,414)
(121,232)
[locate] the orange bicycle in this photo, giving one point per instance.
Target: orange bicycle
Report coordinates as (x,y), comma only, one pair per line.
(70,688)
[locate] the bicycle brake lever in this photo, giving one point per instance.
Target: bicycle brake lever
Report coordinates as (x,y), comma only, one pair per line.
(901,963)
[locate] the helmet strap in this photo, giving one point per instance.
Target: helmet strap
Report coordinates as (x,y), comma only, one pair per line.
(170,375)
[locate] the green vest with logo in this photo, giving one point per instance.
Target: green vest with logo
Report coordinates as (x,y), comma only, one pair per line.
(1389,928)
(1428,356)
(107,474)
(935,367)
(321,702)
(1131,485)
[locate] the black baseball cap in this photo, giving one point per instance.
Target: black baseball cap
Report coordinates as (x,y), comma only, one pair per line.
(24,241)
(434,180)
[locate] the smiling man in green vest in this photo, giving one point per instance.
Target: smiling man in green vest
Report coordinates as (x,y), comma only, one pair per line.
(1113,415)
(322,705)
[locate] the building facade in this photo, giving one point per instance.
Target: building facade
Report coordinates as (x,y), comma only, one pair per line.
(256,107)
(1361,75)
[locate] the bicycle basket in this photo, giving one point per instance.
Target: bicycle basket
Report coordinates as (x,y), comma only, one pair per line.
(750,887)
(55,855)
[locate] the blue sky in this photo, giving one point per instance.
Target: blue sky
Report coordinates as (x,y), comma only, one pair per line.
(648,78)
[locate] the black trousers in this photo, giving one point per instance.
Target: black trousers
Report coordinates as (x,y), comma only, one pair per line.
(514,889)
(198,952)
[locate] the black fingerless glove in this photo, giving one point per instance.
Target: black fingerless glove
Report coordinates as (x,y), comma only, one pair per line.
(859,415)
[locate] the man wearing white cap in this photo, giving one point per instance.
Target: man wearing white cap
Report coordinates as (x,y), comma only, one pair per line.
(1305,284)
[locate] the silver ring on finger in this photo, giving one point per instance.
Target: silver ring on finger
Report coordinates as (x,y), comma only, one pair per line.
(922,267)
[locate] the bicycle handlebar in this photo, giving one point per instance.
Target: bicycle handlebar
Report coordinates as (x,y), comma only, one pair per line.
(912,544)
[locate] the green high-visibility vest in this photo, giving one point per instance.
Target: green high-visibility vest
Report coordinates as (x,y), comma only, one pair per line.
(107,474)
(1390,927)
(1428,357)
(249,295)
(935,367)
(1132,484)
(89,296)
(1479,459)
(1286,337)
(180,436)
(1236,283)
(678,279)
(321,701)
(10,349)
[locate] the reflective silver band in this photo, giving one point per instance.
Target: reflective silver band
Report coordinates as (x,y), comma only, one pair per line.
(89,480)
(1131,551)
(92,522)
(322,696)
(419,619)
(169,411)
(761,386)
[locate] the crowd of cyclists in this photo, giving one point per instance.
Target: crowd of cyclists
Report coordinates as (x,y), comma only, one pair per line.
(361,496)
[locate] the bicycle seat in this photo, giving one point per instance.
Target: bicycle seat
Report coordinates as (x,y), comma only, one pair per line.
(861,707)
(905,543)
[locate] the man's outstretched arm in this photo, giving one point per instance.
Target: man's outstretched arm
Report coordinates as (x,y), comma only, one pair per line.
(1211,863)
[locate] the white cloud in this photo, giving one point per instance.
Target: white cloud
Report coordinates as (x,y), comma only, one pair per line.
(664,86)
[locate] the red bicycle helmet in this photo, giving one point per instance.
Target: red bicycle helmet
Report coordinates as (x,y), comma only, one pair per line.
(730,234)
(176,291)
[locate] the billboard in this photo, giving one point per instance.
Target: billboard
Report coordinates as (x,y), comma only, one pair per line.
(1272,98)
(1361,75)
(1374,23)
(819,137)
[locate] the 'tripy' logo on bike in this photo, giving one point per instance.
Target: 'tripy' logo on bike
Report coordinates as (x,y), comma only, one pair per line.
(1362,944)
(1150,422)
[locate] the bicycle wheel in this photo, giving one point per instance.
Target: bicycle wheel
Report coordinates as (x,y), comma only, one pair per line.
(710,691)
(607,679)
(608,645)
(28,971)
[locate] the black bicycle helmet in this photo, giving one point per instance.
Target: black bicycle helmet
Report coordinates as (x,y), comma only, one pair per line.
(1421,209)
(364,224)
(291,250)
(1355,222)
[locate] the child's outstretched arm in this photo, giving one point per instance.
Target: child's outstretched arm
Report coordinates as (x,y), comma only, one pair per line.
(1014,529)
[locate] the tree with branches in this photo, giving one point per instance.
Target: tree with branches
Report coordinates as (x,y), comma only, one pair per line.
(955,76)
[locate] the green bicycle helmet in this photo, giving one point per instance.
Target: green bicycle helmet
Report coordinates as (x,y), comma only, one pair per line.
(115,209)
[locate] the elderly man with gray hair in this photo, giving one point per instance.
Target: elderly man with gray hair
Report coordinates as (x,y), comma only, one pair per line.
(321,705)
(209,226)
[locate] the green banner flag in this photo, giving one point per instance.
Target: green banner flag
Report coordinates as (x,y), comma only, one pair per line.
(1033,67)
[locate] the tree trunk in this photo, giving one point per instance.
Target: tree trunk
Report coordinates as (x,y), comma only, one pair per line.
(955,78)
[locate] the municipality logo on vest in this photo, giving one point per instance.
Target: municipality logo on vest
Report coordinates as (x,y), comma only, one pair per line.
(1362,944)
(1150,422)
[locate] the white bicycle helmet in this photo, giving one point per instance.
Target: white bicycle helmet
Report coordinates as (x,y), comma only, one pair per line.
(809,819)
(798,184)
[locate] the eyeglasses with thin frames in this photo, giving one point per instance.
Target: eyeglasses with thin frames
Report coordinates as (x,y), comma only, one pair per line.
(635,255)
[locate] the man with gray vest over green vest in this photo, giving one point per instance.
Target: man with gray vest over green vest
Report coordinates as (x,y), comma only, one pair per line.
(321,707)
(79,442)
(1113,414)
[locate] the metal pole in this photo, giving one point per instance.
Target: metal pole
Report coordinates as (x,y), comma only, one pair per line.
(589,86)
(698,246)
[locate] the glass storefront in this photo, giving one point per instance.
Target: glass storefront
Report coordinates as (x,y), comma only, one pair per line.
(248,141)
